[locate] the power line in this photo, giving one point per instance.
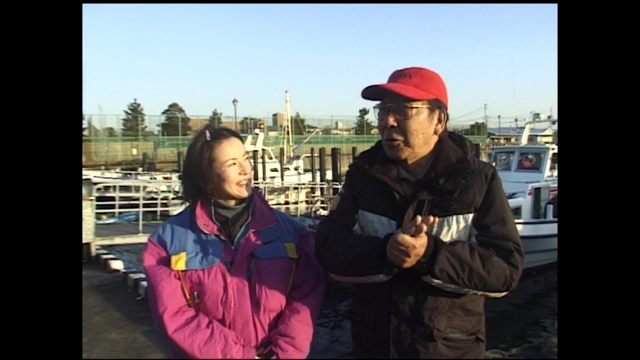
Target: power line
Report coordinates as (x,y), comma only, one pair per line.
(469,121)
(467,114)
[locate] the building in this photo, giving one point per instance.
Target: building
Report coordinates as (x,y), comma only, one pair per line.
(511,136)
(277,119)
(339,129)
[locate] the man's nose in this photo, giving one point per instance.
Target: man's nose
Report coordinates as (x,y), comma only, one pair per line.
(388,121)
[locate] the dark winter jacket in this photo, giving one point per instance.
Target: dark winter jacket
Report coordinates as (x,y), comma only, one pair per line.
(434,309)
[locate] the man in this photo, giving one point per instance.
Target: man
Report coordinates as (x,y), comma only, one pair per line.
(422,228)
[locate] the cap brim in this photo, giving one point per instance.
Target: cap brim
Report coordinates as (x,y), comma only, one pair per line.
(379,91)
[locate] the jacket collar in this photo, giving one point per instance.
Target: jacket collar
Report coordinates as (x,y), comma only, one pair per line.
(261,217)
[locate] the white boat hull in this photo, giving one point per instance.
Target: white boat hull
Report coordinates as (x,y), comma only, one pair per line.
(540,241)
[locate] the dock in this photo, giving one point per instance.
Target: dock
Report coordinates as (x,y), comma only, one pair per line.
(117,324)
(114,324)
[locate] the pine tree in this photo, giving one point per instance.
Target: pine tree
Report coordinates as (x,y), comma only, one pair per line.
(134,123)
(298,125)
(176,121)
(363,126)
(215,119)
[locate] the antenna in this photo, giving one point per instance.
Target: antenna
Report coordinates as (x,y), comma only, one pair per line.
(486,121)
(513,80)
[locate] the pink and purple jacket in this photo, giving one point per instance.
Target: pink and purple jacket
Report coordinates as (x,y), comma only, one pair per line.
(269,290)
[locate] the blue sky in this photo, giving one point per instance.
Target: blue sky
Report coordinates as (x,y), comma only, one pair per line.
(202,56)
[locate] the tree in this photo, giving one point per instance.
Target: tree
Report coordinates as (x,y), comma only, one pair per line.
(215,119)
(133,122)
(176,121)
(110,132)
(363,126)
(298,125)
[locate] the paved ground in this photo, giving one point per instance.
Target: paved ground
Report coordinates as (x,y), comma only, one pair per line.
(117,326)
(120,229)
(114,324)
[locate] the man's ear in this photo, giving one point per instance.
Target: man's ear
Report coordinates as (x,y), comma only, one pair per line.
(441,123)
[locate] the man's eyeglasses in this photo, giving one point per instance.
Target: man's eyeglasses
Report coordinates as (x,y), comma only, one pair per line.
(400,111)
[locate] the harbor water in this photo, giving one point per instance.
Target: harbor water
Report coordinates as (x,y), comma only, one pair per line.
(521,325)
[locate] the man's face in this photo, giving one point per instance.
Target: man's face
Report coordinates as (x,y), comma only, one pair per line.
(409,129)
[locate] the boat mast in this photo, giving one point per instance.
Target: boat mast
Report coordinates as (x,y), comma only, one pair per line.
(287,129)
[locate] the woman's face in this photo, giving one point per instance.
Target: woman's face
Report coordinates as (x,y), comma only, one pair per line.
(232,169)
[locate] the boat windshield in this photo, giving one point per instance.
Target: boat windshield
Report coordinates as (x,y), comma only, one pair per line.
(530,161)
(503,160)
(525,160)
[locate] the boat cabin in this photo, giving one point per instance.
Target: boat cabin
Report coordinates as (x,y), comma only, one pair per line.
(293,170)
(529,175)
(520,165)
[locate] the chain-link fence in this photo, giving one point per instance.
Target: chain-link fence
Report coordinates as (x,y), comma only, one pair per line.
(105,144)
(104,125)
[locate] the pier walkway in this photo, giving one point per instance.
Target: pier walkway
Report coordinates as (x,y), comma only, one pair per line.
(114,324)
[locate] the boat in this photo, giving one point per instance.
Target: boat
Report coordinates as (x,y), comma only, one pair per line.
(98,176)
(290,170)
(117,193)
(122,218)
(529,173)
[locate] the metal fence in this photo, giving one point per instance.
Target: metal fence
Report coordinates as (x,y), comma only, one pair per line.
(105,145)
(111,124)
(127,211)
(338,129)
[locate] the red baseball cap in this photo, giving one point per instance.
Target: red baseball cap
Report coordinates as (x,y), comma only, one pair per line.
(415,83)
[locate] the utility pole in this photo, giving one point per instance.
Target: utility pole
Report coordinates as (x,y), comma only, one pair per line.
(235,114)
(179,132)
(486,120)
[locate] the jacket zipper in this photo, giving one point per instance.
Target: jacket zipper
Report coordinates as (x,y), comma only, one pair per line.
(228,264)
(253,297)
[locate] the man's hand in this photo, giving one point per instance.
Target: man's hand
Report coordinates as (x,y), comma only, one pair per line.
(408,244)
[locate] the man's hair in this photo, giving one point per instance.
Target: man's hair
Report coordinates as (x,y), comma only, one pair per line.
(437,104)
(197,174)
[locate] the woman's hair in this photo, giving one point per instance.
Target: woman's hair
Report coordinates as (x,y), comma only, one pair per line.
(197,173)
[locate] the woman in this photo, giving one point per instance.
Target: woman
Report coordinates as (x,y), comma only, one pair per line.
(231,277)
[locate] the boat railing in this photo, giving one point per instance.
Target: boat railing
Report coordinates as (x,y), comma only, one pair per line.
(127,211)
(149,200)
(298,199)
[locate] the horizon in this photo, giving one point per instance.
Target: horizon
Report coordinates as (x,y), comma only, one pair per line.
(202,56)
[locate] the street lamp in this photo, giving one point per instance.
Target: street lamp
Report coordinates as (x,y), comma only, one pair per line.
(235,115)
